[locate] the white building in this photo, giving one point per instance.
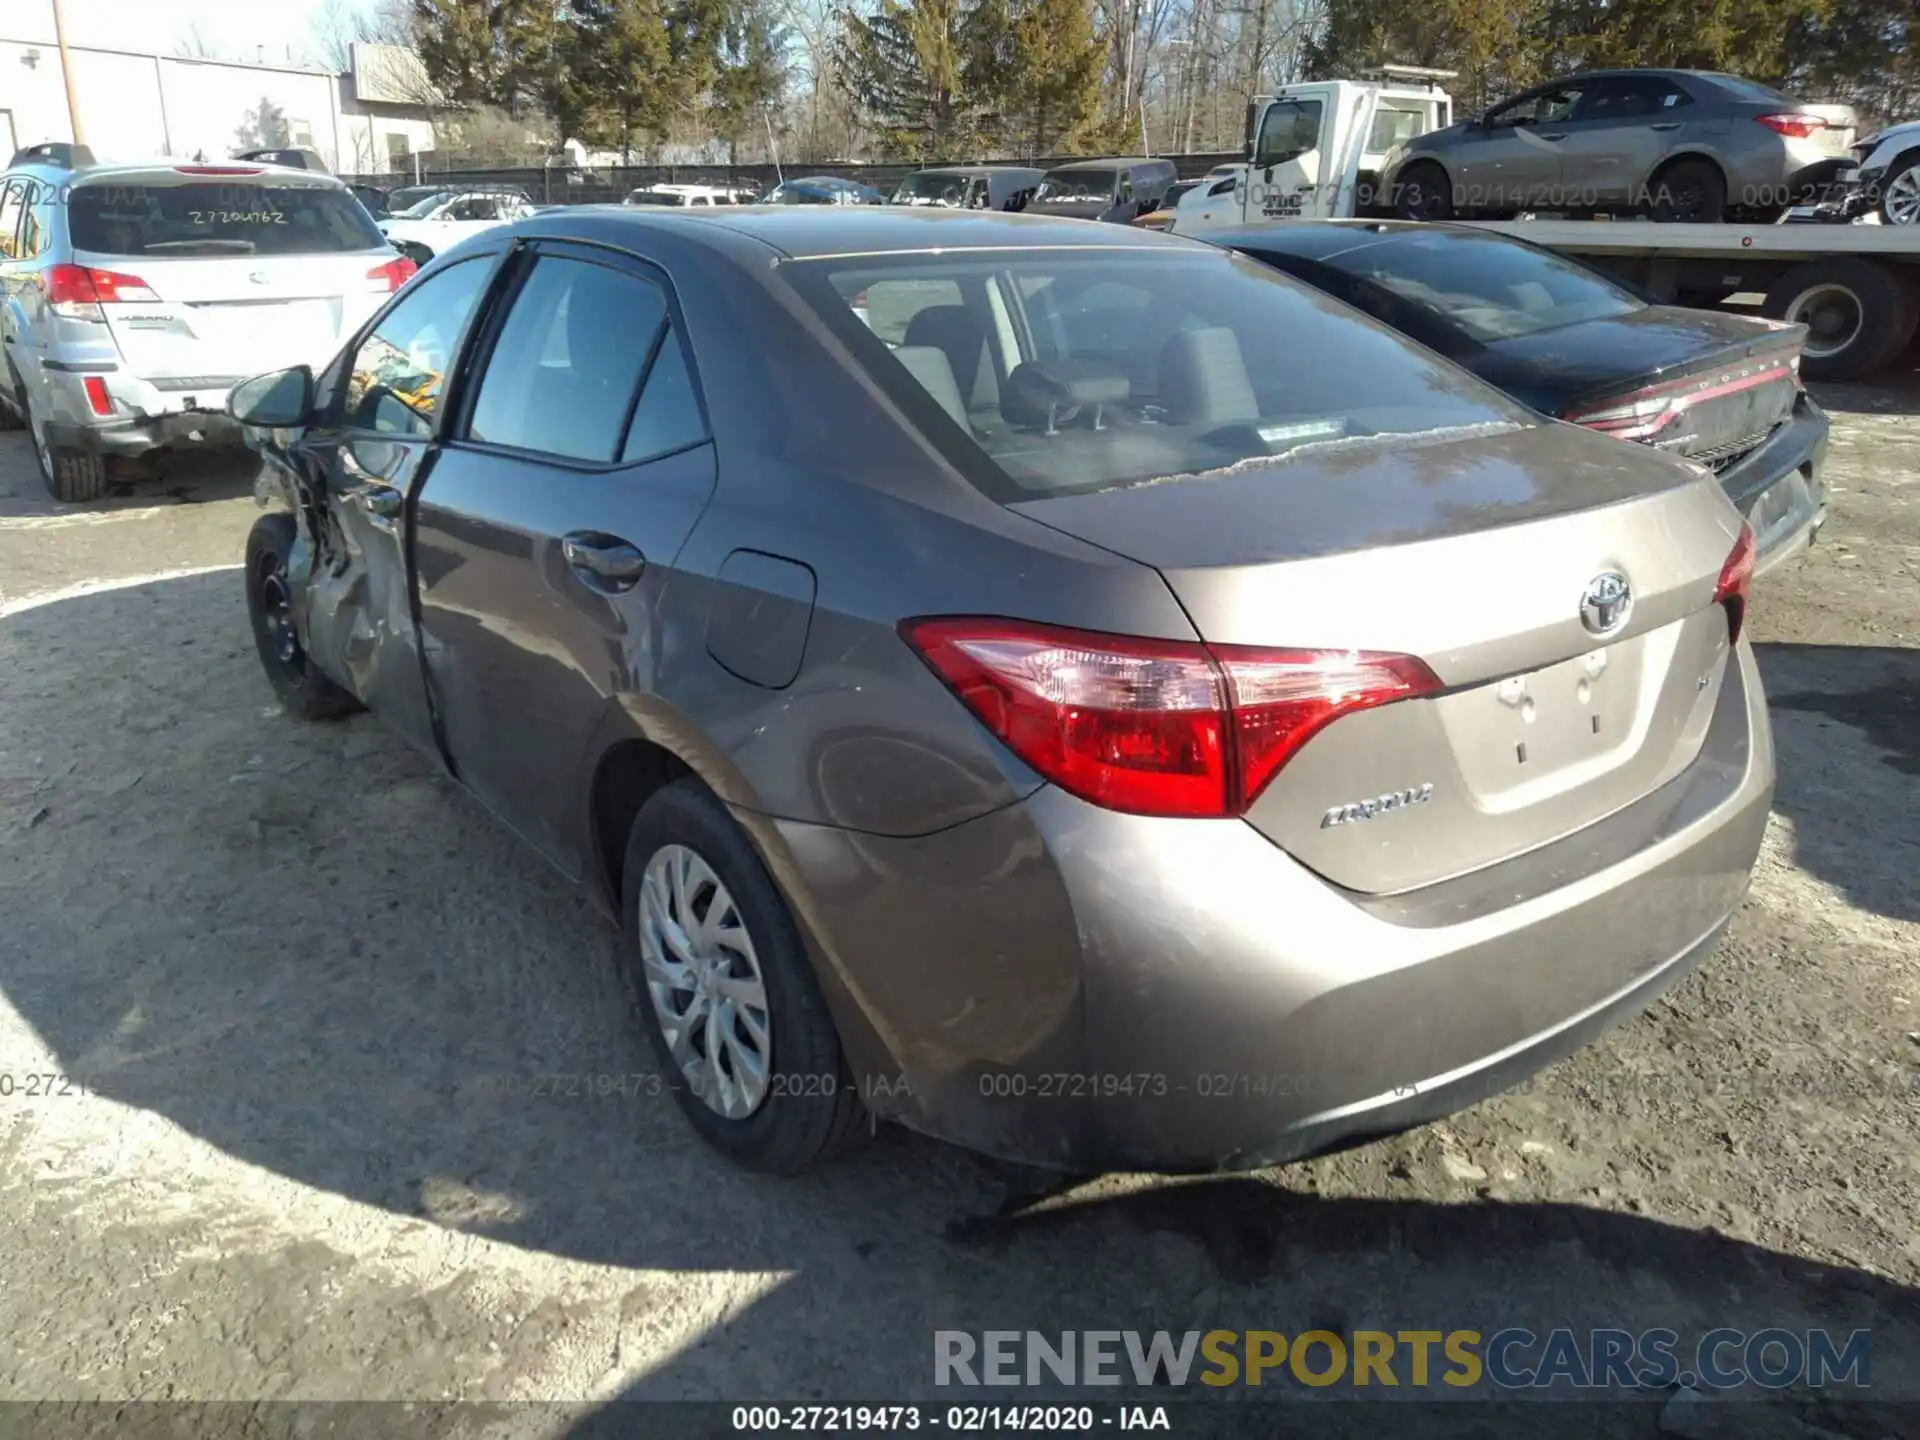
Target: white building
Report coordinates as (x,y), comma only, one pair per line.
(134,106)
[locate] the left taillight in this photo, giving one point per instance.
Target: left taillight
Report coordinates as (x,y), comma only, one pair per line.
(1645,413)
(392,275)
(1736,579)
(78,291)
(1154,727)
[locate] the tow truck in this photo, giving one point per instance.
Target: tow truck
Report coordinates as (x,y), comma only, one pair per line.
(1314,152)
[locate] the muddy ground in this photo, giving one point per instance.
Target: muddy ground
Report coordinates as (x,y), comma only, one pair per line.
(290,977)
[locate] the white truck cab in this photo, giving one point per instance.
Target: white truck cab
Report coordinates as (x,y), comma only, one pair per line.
(1314,147)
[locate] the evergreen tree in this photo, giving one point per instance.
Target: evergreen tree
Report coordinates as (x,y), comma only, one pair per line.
(752,73)
(1052,91)
(916,68)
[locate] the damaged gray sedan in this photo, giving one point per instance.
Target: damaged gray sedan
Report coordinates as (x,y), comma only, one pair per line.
(1068,689)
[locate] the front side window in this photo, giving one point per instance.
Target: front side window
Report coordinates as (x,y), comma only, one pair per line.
(1547,107)
(1487,287)
(223,216)
(572,357)
(397,377)
(1289,129)
(1076,371)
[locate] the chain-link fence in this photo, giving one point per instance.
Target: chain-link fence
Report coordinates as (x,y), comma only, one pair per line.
(574,185)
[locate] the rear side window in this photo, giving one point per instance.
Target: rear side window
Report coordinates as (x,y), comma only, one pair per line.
(1485,287)
(1074,371)
(227,216)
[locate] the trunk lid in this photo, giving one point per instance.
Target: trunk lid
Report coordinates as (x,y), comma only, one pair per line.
(1474,554)
(234,317)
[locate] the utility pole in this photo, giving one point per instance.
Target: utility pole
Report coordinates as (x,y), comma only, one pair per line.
(66,74)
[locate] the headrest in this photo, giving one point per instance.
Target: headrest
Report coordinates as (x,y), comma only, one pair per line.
(930,366)
(1203,379)
(1051,392)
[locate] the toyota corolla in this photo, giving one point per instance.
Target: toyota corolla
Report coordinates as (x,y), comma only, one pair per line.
(1069,689)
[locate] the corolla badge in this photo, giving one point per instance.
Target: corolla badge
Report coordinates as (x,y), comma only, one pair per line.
(1606,603)
(1386,804)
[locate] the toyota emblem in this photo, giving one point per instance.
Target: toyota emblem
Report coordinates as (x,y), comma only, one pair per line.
(260,277)
(1606,603)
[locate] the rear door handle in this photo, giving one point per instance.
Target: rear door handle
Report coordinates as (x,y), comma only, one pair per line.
(604,562)
(1665,125)
(1560,136)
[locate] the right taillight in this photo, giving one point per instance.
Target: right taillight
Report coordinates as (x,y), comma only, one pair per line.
(1736,578)
(1154,727)
(77,291)
(1800,127)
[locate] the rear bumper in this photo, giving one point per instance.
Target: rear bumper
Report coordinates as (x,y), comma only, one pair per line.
(141,434)
(1062,985)
(1781,486)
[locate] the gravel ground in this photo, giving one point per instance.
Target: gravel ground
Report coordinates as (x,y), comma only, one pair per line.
(290,973)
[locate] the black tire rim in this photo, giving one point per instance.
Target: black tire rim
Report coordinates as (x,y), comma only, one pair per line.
(1687,199)
(276,616)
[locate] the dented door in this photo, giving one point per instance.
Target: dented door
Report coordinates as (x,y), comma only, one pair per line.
(364,464)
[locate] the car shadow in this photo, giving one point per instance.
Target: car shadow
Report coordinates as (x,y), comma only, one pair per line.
(1816,693)
(183,477)
(300,946)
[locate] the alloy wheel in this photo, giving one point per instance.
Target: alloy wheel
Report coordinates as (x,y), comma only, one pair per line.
(1902,199)
(704,981)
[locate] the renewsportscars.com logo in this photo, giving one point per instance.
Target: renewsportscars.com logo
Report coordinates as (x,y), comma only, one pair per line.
(1379,1360)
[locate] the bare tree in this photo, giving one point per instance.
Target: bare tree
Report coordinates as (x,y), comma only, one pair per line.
(336,26)
(194,43)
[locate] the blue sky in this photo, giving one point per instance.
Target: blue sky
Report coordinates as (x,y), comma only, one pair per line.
(243,26)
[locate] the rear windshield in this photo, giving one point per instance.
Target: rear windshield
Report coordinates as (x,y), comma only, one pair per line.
(1486,287)
(655,197)
(220,217)
(1078,185)
(1048,372)
(953,190)
(1752,91)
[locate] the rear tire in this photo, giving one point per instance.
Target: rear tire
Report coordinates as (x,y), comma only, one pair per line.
(1423,192)
(301,688)
(1690,192)
(1858,315)
(72,477)
(808,1107)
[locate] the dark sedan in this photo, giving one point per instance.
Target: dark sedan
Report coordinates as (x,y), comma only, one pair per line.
(990,667)
(1720,389)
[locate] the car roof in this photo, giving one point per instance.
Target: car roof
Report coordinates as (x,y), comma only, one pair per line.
(810,232)
(1119,162)
(980,170)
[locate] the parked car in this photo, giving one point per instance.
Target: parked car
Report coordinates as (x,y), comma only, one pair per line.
(297,157)
(970,187)
(1684,145)
(1888,183)
(136,296)
(1118,190)
(675,196)
(446,217)
(1161,596)
(1161,218)
(822,190)
(1717,388)
(373,198)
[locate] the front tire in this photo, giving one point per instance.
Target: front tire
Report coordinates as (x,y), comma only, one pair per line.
(725,990)
(1899,202)
(301,688)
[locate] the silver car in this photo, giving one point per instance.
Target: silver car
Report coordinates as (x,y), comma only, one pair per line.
(137,296)
(1070,689)
(1685,145)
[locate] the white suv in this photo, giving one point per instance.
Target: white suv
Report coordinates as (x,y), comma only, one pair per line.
(136,296)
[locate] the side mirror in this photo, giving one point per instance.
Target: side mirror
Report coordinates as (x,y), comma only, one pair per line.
(279,400)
